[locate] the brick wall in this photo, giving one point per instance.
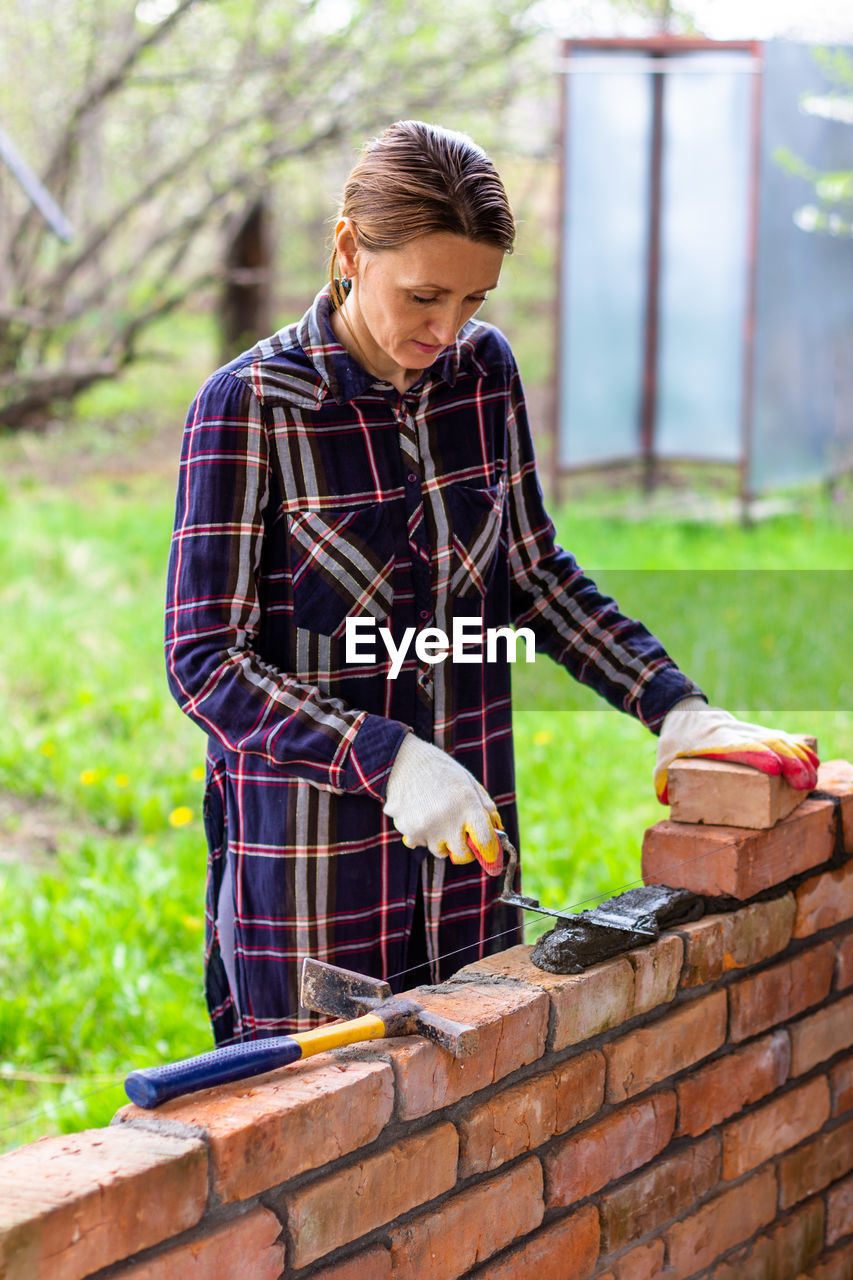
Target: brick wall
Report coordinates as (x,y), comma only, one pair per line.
(684,1110)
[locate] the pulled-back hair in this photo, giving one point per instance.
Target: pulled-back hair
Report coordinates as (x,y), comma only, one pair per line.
(415,179)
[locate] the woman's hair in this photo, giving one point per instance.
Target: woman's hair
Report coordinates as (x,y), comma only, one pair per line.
(415,179)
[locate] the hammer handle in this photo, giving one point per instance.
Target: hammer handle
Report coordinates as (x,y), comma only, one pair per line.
(150,1086)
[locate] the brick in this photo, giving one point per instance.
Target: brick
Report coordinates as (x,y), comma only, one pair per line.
(733,862)
(344,1205)
(608,1149)
(757,932)
(837,1265)
(839,1211)
(785,1250)
(507,1124)
(722,1088)
(703,951)
(781,992)
(824,901)
(580,1089)
(677,1040)
(368,1264)
(728,795)
(721,1224)
(582,1004)
(269,1129)
(469,1227)
(564,1250)
(779,1125)
(648,1201)
(246,1244)
(821,1035)
(512,1021)
(643,1263)
(70,1205)
(814,1166)
(841,1086)
(844,964)
(657,970)
(836,778)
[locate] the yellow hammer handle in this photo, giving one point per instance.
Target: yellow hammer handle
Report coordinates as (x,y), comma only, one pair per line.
(368,1027)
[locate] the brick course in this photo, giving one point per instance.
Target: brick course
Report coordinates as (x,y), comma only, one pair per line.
(683,1111)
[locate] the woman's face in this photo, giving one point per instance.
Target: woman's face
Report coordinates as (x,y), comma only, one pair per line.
(407,305)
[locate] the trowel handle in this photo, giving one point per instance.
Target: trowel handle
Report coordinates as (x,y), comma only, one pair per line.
(511,855)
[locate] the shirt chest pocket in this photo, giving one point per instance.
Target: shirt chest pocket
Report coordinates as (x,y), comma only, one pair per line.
(478,535)
(342,564)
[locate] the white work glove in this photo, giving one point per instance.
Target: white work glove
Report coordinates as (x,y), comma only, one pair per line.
(434,801)
(692,728)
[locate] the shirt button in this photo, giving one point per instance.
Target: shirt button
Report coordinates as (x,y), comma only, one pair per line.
(411,477)
(424,614)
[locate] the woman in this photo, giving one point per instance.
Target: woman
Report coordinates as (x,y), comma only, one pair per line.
(373,462)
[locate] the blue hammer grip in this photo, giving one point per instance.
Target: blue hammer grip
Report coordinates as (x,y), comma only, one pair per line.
(149,1086)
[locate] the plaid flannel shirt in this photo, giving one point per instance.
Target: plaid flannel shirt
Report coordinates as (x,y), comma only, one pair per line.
(311,492)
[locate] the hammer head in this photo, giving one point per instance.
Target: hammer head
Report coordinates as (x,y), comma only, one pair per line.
(329,989)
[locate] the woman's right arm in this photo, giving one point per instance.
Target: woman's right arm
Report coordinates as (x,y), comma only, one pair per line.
(213,613)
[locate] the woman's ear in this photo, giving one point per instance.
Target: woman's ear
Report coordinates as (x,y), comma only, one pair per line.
(346,244)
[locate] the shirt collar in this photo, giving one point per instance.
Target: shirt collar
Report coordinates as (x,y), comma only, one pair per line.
(343,376)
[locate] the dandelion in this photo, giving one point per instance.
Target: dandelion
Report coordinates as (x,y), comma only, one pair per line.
(48,749)
(543,737)
(197,774)
(181,816)
(88,776)
(121,780)
(194,923)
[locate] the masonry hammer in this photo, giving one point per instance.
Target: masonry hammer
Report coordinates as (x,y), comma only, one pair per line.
(372,1013)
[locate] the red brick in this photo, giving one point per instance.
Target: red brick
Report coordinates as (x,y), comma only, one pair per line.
(368,1264)
(844,964)
(723,1222)
(344,1205)
(512,1021)
(677,1040)
(841,1086)
(268,1129)
(645,1203)
(582,1004)
(757,932)
(781,992)
(839,1211)
(733,862)
(643,1263)
(565,1250)
(837,1265)
(776,1127)
(580,1089)
(70,1205)
(821,1035)
(245,1245)
(469,1227)
(836,778)
(785,1250)
(703,951)
(608,1149)
(723,1087)
(657,970)
(731,795)
(507,1124)
(811,1168)
(824,901)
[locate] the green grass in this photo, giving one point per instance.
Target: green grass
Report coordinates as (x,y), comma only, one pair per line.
(101,953)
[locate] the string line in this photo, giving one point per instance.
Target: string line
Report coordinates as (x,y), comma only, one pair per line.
(570,909)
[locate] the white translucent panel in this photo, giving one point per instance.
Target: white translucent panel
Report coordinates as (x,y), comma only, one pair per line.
(702,294)
(604,249)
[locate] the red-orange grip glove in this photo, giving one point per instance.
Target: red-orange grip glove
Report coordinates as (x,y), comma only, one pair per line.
(692,728)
